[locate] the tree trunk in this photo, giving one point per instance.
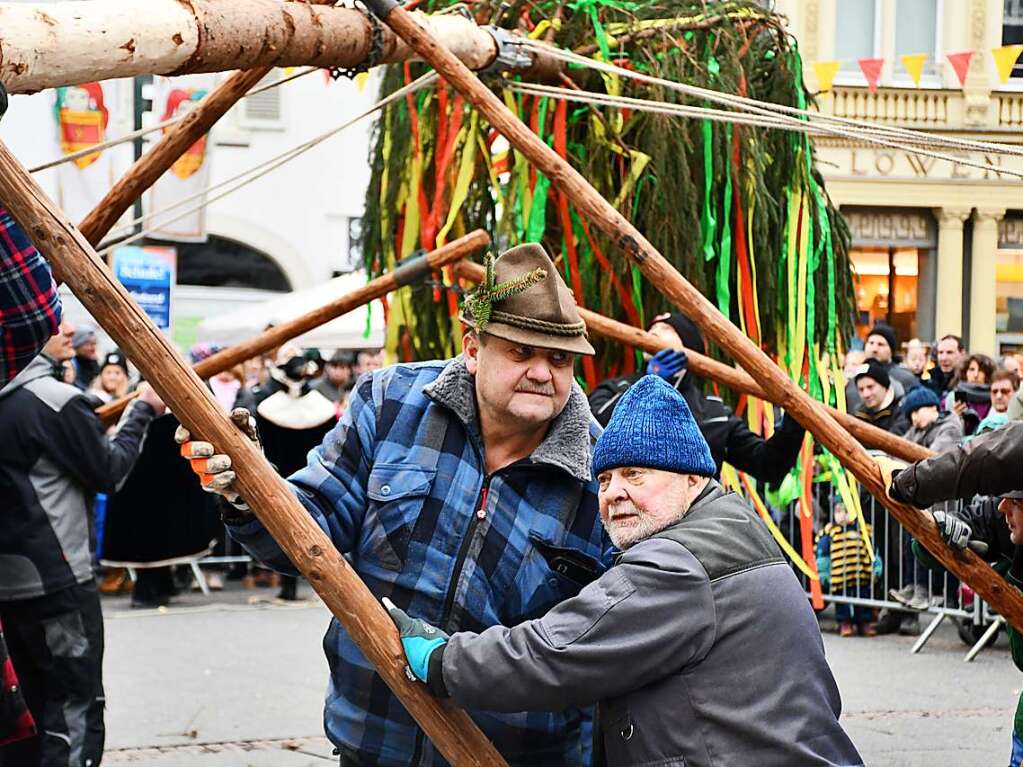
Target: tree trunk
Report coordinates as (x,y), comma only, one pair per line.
(46,45)
(305,544)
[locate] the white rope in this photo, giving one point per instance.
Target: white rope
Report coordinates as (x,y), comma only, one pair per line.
(151,129)
(267,166)
(718,115)
(854,128)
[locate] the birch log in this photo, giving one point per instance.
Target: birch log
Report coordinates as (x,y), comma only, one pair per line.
(638,250)
(46,45)
(301,539)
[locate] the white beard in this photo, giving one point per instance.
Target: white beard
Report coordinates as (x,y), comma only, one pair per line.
(641,526)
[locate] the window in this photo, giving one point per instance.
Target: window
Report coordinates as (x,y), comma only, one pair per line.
(917,30)
(1012,29)
(262,111)
(856,32)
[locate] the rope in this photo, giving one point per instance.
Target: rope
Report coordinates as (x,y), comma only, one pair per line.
(857,129)
(267,166)
(152,128)
(719,115)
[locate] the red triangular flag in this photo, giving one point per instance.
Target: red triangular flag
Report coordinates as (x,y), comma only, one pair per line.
(961,64)
(871,69)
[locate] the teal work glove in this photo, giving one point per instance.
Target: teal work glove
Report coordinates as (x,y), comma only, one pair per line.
(824,571)
(418,639)
(878,566)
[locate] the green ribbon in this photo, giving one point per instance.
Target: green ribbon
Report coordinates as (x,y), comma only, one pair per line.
(724,292)
(708,220)
(537,224)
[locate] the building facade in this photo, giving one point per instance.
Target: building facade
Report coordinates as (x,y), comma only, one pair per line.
(937,245)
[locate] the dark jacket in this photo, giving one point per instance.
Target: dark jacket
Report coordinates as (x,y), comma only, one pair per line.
(888,417)
(54,456)
(676,687)
(728,436)
(986,465)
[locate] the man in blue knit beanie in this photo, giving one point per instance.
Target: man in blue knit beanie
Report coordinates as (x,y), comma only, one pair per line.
(699,644)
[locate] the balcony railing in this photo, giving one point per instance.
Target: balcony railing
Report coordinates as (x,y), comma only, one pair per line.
(921,108)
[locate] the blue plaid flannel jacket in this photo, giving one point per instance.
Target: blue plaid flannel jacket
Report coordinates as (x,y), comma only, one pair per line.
(29,304)
(398,486)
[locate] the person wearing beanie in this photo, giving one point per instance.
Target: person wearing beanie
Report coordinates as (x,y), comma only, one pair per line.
(881,346)
(940,432)
(879,405)
(462,490)
(729,437)
(985,475)
(664,677)
(112,380)
(86,359)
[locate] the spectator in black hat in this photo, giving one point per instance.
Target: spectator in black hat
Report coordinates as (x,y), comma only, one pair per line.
(879,405)
(730,439)
(881,346)
(86,359)
(337,377)
(112,381)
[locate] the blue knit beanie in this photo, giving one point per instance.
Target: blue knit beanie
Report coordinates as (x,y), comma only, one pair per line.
(652,427)
(919,397)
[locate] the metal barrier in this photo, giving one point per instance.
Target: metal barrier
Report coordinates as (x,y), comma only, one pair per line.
(943,595)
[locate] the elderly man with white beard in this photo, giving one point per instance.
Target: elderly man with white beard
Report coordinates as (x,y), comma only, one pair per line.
(698,644)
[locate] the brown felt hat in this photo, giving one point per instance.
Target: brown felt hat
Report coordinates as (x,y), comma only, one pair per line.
(542,314)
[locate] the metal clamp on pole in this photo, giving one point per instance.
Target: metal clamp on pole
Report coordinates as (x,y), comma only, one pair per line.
(412,269)
(376,51)
(510,53)
(381,8)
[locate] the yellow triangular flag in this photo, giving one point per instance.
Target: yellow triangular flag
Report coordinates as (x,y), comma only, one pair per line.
(1005,60)
(825,71)
(289,71)
(361,79)
(914,64)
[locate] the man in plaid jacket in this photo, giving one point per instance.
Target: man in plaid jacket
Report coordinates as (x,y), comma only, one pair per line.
(29,304)
(462,491)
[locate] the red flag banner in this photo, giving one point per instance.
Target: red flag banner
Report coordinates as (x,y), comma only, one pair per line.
(961,64)
(871,69)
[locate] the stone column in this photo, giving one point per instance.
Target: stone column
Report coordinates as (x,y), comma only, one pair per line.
(982,279)
(949,304)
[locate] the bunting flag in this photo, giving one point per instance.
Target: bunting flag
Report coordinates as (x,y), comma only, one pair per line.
(189,176)
(871,69)
(1005,59)
(914,64)
(961,64)
(826,71)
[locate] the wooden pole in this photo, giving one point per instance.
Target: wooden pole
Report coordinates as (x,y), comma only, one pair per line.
(46,45)
(1006,599)
(305,544)
(279,334)
(737,380)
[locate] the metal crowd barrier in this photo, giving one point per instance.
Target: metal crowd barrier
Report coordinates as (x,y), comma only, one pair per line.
(946,597)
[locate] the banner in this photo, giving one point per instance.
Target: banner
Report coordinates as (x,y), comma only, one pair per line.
(82,119)
(149,274)
(189,177)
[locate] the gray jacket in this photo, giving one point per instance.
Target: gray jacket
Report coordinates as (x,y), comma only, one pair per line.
(942,435)
(699,644)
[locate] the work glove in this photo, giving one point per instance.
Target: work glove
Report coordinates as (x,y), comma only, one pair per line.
(667,363)
(890,469)
(213,468)
(956,533)
(824,571)
(418,639)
